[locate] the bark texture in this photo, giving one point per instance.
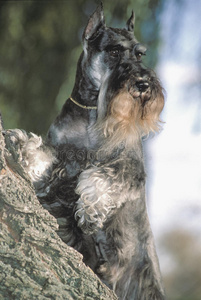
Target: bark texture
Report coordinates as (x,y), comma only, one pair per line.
(34,262)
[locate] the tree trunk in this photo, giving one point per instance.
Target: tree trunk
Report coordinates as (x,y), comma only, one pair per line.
(35,263)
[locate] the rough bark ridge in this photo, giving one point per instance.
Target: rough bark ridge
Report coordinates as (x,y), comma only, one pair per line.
(35,263)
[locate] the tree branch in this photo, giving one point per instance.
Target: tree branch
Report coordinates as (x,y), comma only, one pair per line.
(35,263)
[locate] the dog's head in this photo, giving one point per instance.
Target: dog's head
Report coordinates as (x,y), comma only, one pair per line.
(130,95)
(106,47)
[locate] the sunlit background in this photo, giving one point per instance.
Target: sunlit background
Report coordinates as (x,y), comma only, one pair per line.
(40,42)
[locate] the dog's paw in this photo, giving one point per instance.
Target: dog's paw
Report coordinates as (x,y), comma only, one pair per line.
(95,203)
(90,218)
(15,139)
(87,219)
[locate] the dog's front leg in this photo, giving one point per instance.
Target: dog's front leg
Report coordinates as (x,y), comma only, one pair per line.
(96,200)
(103,189)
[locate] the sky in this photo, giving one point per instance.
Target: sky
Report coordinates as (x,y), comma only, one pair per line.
(174,156)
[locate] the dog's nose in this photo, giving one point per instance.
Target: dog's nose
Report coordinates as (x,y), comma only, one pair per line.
(142,85)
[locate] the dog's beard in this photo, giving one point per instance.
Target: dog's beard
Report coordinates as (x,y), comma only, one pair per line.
(130,117)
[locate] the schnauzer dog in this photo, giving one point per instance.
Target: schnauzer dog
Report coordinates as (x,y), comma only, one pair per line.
(90,172)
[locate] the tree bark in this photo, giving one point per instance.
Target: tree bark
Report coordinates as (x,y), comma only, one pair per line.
(35,263)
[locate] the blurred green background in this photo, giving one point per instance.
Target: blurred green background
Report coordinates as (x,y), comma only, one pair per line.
(40,42)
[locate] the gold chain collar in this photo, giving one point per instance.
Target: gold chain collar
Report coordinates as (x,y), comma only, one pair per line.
(82,106)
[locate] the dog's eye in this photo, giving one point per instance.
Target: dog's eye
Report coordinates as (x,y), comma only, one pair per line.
(139,55)
(139,51)
(114,52)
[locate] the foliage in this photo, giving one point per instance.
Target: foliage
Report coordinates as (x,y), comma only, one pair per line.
(40,45)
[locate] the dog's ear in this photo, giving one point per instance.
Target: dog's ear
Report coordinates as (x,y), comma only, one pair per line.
(131,21)
(95,22)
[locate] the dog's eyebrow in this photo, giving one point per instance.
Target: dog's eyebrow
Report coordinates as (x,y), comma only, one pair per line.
(141,48)
(115,47)
(124,45)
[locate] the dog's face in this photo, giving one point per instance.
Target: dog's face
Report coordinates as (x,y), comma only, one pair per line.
(106,48)
(130,95)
